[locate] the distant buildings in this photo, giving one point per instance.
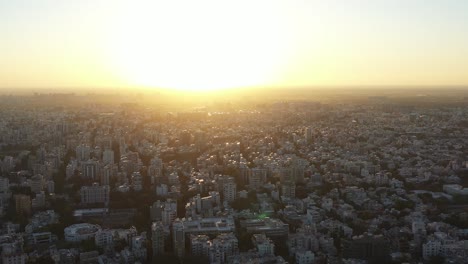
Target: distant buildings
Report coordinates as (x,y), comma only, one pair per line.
(217,250)
(268,226)
(94,194)
(157,238)
(371,248)
(181,229)
(23,204)
(90,169)
(264,246)
(229,190)
(455,189)
(80,232)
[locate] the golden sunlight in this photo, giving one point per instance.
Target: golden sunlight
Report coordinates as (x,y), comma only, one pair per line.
(204,47)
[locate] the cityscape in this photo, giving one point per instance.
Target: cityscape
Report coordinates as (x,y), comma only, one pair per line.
(379,179)
(234,132)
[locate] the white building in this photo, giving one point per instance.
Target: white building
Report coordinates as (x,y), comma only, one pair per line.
(431,248)
(80,232)
(103,238)
(305,257)
(264,245)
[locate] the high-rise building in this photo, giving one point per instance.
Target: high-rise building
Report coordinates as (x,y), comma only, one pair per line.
(257,178)
(199,245)
(90,169)
(23,204)
(36,183)
(308,134)
(94,194)
(224,245)
(51,186)
(137,179)
(305,257)
(4,185)
(229,190)
(371,248)
(157,237)
(205,226)
(106,175)
(156,211)
(178,237)
(216,250)
(138,247)
(264,245)
(108,157)
(288,190)
(38,201)
(104,238)
(168,215)
(83,152)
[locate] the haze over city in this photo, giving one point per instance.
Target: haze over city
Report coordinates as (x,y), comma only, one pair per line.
(211,45)
(234,132)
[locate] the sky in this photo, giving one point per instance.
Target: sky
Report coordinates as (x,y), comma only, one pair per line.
(208,45)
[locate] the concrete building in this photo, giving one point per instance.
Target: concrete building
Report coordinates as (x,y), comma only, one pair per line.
(371,248)
(305,257)
(94,194)
(229,190)
(80,232)
(257,178)
(12,253)
(23,204)
(200,245)
(157,238)
(268,226)
(205,226)
(137,181)
(103,238)
(4,185)
(90,169)
(108,157)
(263,244)
(222,247)
(83,152)
(288,190)
(37,183)
(178,238)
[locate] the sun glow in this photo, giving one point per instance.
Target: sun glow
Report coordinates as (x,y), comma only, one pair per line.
(198,45)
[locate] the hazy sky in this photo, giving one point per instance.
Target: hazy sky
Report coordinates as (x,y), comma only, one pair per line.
(206,44)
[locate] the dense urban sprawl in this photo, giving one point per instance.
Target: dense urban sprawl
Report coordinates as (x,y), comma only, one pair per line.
(286,182)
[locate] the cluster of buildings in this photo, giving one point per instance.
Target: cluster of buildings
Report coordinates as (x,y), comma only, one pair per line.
(292,182)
